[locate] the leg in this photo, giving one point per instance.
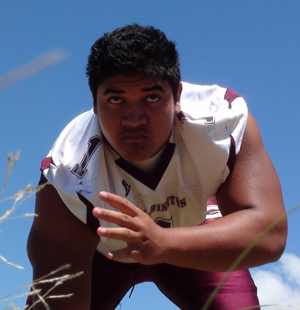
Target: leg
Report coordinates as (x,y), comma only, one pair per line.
(110,282)
(189,289)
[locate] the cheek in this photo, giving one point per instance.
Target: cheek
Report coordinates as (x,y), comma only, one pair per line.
(164,124)
(108,126)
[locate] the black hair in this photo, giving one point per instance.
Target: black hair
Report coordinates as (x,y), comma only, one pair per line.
(133,49)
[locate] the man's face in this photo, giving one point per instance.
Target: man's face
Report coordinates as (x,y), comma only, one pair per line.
(136,114)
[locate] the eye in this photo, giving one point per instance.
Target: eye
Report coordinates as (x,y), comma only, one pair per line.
(152,98)
(115,100)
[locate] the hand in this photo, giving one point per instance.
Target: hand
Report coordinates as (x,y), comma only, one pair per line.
(143,236)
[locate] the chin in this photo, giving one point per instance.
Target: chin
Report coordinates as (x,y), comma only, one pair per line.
(134,157)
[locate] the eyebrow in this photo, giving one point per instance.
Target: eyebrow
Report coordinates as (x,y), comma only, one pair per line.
(113,91)
(154,87)
(146,89)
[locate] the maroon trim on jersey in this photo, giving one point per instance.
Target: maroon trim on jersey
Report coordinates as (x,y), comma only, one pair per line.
(149,179)
(46,163)
(230,95)
(232,155)
(212,201)
(91,221)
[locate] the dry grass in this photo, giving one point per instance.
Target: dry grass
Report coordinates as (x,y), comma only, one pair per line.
(272,305)
(39,63)
(17,199)
(37,292)
(32,67)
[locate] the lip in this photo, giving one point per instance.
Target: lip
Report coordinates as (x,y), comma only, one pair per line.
(134,138)
(133,134)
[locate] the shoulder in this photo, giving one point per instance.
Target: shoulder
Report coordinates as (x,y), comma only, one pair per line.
(80,137)
(70,164)
(201,99)
(198,91)
(213,105)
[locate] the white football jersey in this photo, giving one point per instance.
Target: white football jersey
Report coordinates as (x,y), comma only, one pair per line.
(206,137)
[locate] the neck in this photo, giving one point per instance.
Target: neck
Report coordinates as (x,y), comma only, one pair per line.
(149,164)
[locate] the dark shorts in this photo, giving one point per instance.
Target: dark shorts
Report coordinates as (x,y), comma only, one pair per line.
(187,288)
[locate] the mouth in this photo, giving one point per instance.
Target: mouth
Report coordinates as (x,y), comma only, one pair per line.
(134,137)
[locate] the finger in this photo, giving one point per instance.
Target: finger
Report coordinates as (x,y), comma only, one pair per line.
(120,233)
(119,203)
(124,253)
(115,217)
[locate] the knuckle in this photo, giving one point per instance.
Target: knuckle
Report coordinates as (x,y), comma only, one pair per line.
(128,234)
(125,218)
(127,203)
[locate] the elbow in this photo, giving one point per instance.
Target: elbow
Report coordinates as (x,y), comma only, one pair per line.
(275,252)
(279,249)
(276,241)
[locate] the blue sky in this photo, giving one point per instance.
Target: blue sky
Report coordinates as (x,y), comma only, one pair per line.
(252,47)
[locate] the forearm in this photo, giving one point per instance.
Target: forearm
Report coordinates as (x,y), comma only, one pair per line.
(217,245)
(212,247)
(58,238)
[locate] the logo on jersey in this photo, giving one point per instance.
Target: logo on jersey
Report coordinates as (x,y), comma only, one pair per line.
(170,201)
(127,187)
(164,223)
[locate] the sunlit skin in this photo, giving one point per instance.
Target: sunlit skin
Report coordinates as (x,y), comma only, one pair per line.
(250,199)
(136,114)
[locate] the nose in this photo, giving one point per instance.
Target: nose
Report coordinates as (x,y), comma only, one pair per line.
(134,116)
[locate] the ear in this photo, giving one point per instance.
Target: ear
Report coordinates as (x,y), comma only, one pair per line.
(94,101)
(177,104)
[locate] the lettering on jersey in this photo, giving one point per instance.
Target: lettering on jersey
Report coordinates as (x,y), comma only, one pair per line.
(164,223)
(170,201)
(127,187)
(185,116)
(81,169)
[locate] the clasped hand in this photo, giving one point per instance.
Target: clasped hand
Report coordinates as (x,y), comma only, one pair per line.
(143,236)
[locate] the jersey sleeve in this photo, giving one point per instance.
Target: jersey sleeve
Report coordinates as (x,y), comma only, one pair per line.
(212,121)
(67,162)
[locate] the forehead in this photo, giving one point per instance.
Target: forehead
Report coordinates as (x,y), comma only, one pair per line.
(136,82)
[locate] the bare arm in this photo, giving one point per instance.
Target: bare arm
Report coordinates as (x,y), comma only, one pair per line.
(250,200)
(57,238)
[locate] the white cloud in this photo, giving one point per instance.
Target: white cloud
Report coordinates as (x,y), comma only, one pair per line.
(281,284)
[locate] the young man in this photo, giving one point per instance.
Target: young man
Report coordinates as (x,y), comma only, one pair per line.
(138,170)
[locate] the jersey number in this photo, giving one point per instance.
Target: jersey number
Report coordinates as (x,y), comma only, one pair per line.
(81,169)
